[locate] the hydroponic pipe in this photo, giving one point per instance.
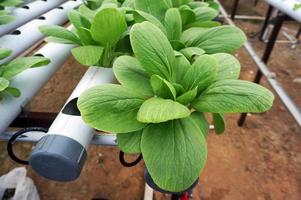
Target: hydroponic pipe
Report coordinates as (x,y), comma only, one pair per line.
(103,139)
(28,34)
(287,7)
(29,12)
(31,81)
(61,153)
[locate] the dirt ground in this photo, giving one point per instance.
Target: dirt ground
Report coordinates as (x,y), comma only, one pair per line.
(261,161)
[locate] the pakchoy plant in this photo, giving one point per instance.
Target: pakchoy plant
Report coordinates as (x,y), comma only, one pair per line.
(99,36)
(190,28)
(5,16)
(9,70)
(158,110)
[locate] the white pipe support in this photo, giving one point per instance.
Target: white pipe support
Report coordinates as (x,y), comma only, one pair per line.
(287,7)
(65,145)
(27,35)
(31,81)
(29,12)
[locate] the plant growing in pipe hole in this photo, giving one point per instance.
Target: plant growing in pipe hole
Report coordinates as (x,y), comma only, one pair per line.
(100,36)
(158,110)
(5,16)
(9,70)
(188,25)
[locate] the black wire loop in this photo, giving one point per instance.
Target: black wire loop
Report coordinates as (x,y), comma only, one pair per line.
(12,141)
(127,164)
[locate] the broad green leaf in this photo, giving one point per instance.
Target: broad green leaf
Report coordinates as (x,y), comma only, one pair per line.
(219,122)
(180,68)
(15,92)
(188,97)
(221,39)
(10,3)
(196,4)
(234,96)
(201,121)
(177,45)
(228,66)
(87,55)
(108,26)
(201,74)
(85,36)
(5,19)
(129,142)
(4,53)
(111,108)
(54,31)
(202,24)
(130,74)
(157,110)
(78,20)
(173,24)
(141,16)
(156,9)
(187,15)
(175,153)
(129,3)
(20,64)
(191,52)
(155,54)
(190,35)
(162,88)
(4,83)
(205,14)
(213,5)
(179,89)
(85,11)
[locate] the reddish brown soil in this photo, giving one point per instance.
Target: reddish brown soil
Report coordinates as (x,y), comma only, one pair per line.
(261,161)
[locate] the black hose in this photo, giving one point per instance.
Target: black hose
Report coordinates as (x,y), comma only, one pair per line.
(126,164)
(12,140)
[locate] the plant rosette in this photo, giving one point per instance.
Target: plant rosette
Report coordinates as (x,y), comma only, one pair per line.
(10,69)
(190,27)
(158,108)
(5,16)
(100,36)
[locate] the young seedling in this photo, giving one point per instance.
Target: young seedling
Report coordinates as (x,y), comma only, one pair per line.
(99,35)
(10,69)
(5,16)
(158,108)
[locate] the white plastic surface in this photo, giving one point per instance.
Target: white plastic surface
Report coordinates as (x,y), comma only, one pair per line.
(30,34)
(287,7)
(24,15)
(73,126)
(31,81)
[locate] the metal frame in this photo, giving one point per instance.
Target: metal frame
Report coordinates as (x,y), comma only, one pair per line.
(262,67)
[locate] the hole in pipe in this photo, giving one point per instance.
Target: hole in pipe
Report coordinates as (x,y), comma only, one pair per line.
(42,18)
(16,32)
(71,108)
(26,7)
(60,8)
(39,55)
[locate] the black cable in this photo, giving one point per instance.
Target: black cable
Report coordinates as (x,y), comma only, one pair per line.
(12,140)
(126,164)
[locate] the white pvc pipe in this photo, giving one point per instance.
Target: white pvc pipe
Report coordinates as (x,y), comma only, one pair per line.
(29,12)
(287,7)
(30,82)
(30,34)
(73,126)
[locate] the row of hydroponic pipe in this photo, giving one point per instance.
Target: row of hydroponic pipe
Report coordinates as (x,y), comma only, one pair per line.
(172,60)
